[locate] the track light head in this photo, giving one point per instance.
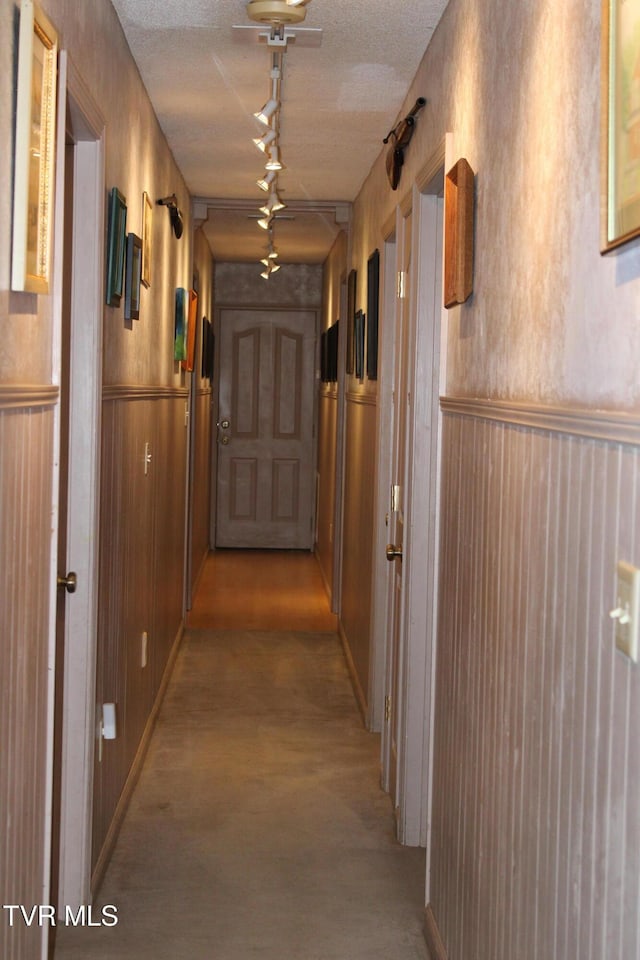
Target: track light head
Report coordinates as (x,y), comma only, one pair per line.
(265,140)
(264,116)
(265,182)
(273,204)
(274,162)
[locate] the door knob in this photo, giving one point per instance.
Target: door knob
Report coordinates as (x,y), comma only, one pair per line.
(224,424)
(70,582)
(393,552)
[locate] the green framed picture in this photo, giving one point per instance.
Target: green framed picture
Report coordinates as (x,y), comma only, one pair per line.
(116,247)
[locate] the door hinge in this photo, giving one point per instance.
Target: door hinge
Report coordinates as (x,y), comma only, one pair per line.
(402,282)
(387,708)
(395,497)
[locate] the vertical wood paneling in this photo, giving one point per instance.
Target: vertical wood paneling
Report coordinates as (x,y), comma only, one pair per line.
(201,502)
(358,535)
(25,537)
(536,831)
(141,575)
(327,433)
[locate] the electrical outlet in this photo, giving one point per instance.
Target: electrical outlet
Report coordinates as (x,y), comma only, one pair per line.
(627,609)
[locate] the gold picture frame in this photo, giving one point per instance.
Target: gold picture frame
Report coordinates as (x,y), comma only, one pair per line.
(33,194)
(620,135)
(147,223)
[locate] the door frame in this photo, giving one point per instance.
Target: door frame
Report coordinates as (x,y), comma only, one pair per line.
(421,502)
(78,112)
(384,430)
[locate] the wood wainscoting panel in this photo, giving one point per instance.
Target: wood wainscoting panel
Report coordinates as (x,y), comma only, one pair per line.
(359,497)
(201,486)
(141,577)
(535,822)
(26,457)
(326,485)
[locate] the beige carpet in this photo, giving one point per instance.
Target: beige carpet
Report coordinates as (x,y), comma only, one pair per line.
(258,828)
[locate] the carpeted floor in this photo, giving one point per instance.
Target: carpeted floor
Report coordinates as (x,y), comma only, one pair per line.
(258,828)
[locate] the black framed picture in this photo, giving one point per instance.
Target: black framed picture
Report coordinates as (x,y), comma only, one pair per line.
(208,349)
(358,334)
(332,365)
(373,295)
(352,283)
(116,247)
(133,277)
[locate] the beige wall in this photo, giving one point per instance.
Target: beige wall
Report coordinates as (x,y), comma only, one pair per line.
(534,824)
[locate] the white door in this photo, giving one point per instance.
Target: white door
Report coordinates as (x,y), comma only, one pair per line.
(396,546)
(414,517)
(78,369)
(265,490)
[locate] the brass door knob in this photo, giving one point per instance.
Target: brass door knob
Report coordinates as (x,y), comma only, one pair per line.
(393,552)
(70,582)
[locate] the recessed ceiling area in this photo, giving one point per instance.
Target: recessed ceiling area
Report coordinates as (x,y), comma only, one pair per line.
(303,232)
(341,92)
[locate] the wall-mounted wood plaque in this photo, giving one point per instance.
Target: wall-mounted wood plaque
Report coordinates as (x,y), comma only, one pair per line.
(458,234)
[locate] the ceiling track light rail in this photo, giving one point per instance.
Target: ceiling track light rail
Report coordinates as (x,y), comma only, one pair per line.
(278,14)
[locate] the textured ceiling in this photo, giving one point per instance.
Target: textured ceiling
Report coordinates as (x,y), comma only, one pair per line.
(339,99)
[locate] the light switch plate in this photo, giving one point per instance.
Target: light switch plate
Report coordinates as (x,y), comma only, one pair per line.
(627,611)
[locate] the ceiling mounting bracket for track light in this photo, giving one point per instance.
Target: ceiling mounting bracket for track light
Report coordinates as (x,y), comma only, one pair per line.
(303,36)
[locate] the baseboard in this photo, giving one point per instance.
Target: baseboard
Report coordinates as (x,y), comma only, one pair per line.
(134,773)
(357,689)
(325,580)
(435,946)
(198,576)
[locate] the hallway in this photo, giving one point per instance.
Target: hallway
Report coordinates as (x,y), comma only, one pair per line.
(258,827)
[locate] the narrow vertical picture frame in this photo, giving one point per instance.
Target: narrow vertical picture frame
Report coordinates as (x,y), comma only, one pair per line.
(206,331)
(116,247)
(192,315)
(373,301)
(132,280)
(180,327)
(35,135)
(332,352)
(147,225)
(620,124)
(324,356)
(352,283)
(358,332)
